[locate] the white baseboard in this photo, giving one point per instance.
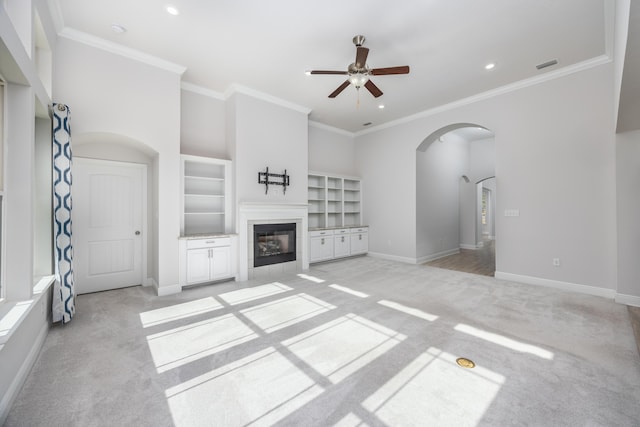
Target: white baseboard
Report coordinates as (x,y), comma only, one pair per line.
(556,284)
(23,372)
(167,290)
(406,260)
(438,255)
(631,300)
(465,246)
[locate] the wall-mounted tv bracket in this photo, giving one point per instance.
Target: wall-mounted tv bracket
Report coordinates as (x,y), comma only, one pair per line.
(267,178)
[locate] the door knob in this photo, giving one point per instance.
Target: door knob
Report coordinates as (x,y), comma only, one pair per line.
(137,232)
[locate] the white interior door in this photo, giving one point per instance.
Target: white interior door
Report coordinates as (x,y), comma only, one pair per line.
(109,201)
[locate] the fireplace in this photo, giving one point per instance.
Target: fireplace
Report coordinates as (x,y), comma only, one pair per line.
(274,243)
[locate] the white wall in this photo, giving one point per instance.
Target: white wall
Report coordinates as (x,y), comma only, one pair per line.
(628,208)
(113,94)
(558,172)
(438,172)
(267,134)
(202,125)
(331,152)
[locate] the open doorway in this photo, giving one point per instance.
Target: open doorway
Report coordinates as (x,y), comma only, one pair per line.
(455,199)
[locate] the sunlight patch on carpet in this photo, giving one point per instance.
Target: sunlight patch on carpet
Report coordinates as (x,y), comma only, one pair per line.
(178,311)
(349,291)
(310,278)
(504,341)
(251,294)
(279,314)
(409,310)
(179,346)
(270,386)
(341,347)
(433,390)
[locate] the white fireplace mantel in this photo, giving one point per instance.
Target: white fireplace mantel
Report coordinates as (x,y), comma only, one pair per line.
(268,212)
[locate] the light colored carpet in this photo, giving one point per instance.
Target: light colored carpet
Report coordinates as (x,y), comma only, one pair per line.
(351,343)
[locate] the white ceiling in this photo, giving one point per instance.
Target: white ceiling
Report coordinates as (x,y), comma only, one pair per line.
(268,45)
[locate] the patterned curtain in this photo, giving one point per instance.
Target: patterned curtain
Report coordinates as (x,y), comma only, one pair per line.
(64,296)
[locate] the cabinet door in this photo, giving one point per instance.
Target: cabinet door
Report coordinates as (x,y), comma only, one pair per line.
(320,248)
(359,243)
(341,246)
(198,266)
(220,263)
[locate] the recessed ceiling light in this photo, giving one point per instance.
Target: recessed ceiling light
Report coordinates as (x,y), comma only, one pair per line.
(117,28)
(381,106)
(489,66)
(172,10)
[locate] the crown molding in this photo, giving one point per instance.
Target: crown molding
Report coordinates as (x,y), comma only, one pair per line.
(552,75)
(115,48)
(331,129)
(236,88)
(190,87)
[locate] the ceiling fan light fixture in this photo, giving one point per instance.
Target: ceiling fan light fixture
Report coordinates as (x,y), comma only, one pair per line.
(358,79)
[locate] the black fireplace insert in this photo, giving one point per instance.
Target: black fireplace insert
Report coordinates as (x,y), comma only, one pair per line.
(273,243)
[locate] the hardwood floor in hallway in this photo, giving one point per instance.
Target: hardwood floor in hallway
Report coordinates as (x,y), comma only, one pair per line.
(480,261)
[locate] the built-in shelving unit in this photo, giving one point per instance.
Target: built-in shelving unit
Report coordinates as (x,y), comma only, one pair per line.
(334,201)
(317,195)
(206,188)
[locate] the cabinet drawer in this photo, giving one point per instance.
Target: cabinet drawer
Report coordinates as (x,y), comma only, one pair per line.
(341,231)
(212,242)
(320,233)
(360,230)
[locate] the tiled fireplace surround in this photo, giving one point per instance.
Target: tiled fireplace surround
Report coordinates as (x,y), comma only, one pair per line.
(251,214)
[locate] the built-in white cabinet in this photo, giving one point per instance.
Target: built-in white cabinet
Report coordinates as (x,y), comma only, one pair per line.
(359,240)
(328,244)
(341,243)
(335,217)
(206,191)
(334,201)
(207,259)
(320,245)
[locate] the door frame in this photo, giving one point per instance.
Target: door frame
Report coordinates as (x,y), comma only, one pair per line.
(87,161)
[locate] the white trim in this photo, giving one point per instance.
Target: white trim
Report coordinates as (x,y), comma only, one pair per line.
(405,260)
(236,88)
(556,284)
(625,299)
(438,255)
(127,52)
(190,87)
(167,290)
(331,129)
(20,378)
(512,87)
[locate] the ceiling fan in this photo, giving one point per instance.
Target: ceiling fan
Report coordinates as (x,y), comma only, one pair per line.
(359,73)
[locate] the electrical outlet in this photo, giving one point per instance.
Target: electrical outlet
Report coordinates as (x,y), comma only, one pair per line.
(556,262)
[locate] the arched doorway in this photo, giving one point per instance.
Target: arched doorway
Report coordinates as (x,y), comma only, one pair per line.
(455,199)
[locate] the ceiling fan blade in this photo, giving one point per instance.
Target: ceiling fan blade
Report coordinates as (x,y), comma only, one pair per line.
(361,56)
(375,91)
(328,72)
(390,70)
(340,89)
